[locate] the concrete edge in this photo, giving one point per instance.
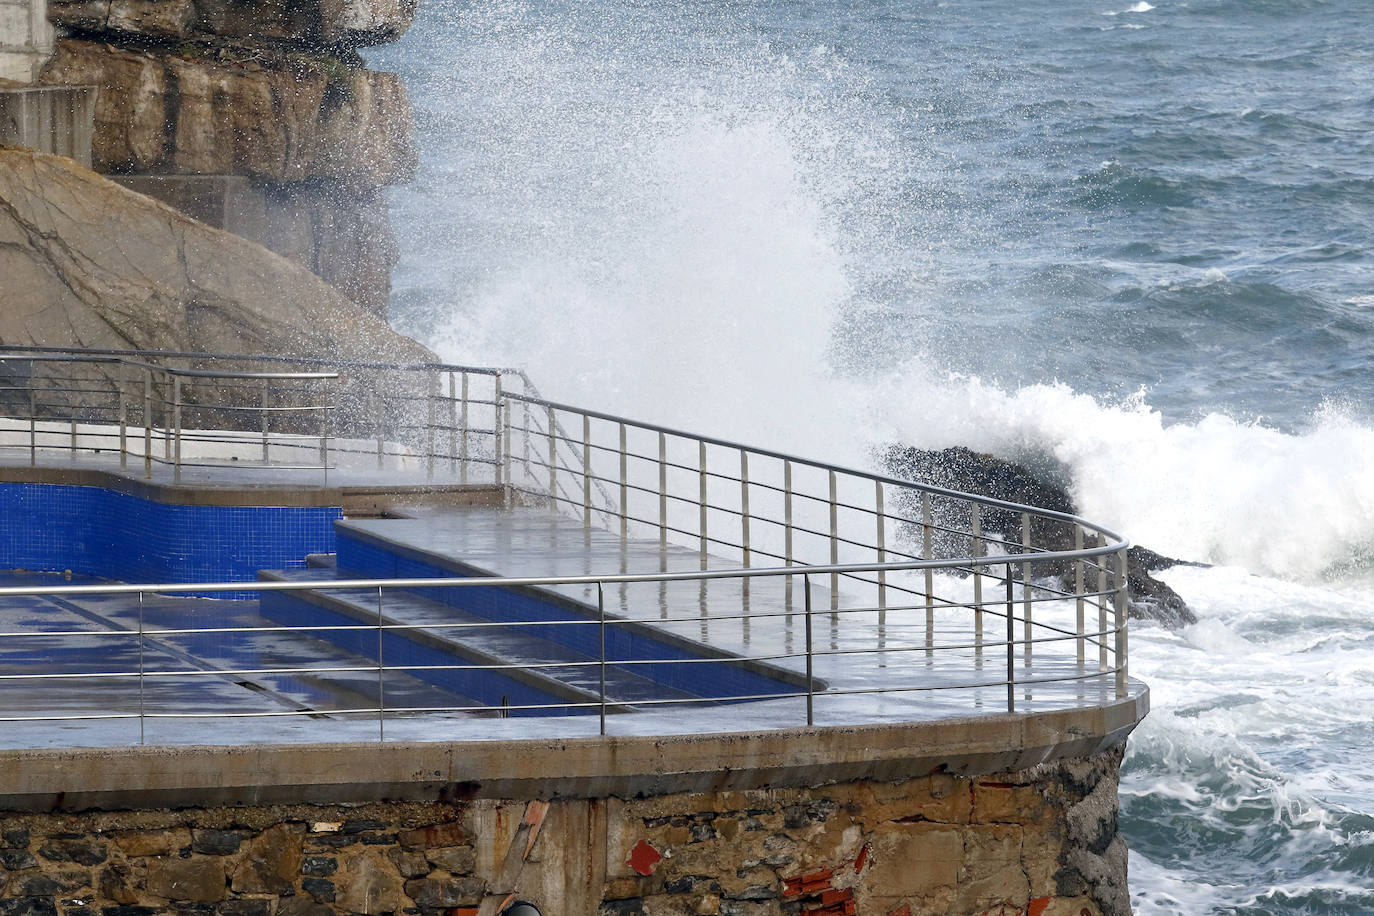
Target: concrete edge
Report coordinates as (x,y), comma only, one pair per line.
(364,500)
(627,767)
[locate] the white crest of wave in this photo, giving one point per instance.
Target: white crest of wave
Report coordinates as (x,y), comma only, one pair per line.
(1217,490)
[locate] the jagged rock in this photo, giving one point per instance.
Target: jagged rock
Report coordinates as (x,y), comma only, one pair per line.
(332,23)
(271,116)
(88,263)
(986,475)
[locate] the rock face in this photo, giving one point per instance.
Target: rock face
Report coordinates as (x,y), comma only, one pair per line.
(88,263)
(260,90)
(972,472)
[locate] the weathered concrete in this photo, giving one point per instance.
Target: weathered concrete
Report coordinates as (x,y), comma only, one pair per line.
(26,39)
(49,119)
(581,767)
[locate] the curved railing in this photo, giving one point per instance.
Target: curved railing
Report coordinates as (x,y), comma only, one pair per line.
(918,590)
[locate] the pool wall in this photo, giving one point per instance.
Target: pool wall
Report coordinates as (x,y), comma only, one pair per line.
(99,532)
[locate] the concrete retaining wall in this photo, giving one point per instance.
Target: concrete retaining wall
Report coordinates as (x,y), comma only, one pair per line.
(1040,841)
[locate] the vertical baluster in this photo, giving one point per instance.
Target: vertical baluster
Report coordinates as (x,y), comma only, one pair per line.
(810,677)
(928,553)
(624,486)
(1011,642)
(880,517)
(431,420)
(1101,606)
(463,425)
(744,508)
(452,424)
(1122,656)
(979,550)
(176,424)
(1081,623)
(834,545)
(702,499)
(787,525)
(663,496)
(586,471)
(1026,624)
(553,457)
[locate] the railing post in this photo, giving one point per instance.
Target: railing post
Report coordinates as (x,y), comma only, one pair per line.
(928,553)
(381,672)
(1011,642)
(601,614)
(744,509)
(624,486)
(176,425)
(452,424)
(978,549)
(1101,607)
(586,471)
(787,526)
(431,418)
(810,675)
(380,417)
(263,415)
(1123,575)
(702,496)
(834,544)
(147,423)
(663,492)
(142,735)
(123,427)
(463,438)
(501,432)
(880,515)
(326,417)
(1078,591)
(553,458)
(33,418)
(1026,583)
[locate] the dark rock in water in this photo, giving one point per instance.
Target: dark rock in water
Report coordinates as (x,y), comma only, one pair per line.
(968,471)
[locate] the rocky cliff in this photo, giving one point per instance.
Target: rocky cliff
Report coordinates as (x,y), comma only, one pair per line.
(255,115)
(88,263)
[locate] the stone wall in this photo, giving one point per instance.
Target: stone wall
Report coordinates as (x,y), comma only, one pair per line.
(261,91)
(1041,842)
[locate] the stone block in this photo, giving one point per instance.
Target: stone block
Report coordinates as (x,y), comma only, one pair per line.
(445,892)
(456,860)
(80,850)
(271,862)
(451,833)
(153,842)
(216,842)
(368,883)
(914,859)
(197,879)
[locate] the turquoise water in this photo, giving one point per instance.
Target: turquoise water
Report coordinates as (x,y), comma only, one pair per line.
(1132,241)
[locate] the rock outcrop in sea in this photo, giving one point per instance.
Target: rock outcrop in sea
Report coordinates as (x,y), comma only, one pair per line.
(254,116)
(968,471)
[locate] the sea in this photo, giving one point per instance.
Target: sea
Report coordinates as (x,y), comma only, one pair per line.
(1129,242)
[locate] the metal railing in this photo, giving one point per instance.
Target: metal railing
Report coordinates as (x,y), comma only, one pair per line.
(933,587)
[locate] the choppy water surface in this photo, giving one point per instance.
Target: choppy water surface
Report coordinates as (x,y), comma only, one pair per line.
(1133,240)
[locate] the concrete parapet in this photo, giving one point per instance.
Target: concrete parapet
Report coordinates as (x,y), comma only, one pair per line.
(49,119)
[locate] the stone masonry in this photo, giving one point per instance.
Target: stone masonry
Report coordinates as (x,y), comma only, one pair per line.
(1039,842)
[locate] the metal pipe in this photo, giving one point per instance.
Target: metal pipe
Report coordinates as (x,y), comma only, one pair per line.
(1026,585)
(1011,642)
(176,424)
(701,497)
(880,515)
(381,672)
(624,488)
(601,613)
(1078,590)
(1123,576)
(463,440)
(586,471)
(928,553)
(810,672)
(979,549)
(744,505)
(663,494)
